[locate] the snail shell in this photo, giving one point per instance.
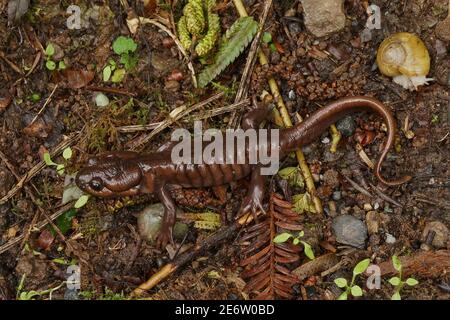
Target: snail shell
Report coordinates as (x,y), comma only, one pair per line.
(403,54)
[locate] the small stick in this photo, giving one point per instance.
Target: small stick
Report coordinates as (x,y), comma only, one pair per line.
(221,235)
(42,224)
(45,104)
(174,116)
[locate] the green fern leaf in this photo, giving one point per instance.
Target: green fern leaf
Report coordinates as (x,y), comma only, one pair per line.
(183,33)
(195,18)
(236,40)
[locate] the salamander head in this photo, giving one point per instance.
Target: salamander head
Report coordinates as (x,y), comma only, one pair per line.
(110,178)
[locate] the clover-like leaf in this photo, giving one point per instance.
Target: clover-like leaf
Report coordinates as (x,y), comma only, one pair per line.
(107,73)
(124,45)
(51,65)
(282,237)
(50,50)
(397,263)
(411,282)
(361,266)
(81,202)
(67,153)
(343,296)
(396,296)
(48,160)
(341,282)
(60,169)
(395,281)
(308,250)
(118,75)
(356,291)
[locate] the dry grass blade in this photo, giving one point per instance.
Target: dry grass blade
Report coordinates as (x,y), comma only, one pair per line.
(265,262)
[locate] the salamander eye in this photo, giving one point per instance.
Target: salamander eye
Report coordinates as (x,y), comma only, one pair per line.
(96,185)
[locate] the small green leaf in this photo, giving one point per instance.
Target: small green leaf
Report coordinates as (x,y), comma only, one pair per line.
(308,250)
(267,37)
(273,47)
(48,160)
(396,296)
(361,266)
(341,282)
(118,75)
(395,281)
(50,50)
(35,97)
(397,263)
(61,65)
(107,73)
(356,291)
(50,65)
(67,153)
(343,296)
(60,169)
(301,234)
(282,237)
(124,45)
(64,222)
(296,241)
(411,282)
(81,202)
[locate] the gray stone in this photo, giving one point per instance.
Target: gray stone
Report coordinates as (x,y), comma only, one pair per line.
(441,235)
(346,126)
(149,223)
(349,230)
(324,17)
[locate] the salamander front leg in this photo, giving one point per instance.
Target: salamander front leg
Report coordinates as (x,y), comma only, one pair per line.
(165,234)
(253,202)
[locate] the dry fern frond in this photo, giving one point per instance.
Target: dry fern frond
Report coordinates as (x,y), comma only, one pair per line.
(265,262)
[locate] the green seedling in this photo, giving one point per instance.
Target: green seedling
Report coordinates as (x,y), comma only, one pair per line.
(296,240)
(352,289)
(267,39)
(50,64)
(125,48)
(397,282)
(67,154)
(30,295)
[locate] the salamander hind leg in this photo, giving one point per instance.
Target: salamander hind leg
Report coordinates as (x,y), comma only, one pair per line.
(254,200)
(165,234)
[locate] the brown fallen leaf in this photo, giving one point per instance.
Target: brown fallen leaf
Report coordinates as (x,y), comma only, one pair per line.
(45,239)
(150,7)
(425,264)
(74,79)
(4,102)
(38,129)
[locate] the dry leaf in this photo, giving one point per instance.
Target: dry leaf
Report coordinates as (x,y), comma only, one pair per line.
(75,79)
(16,9)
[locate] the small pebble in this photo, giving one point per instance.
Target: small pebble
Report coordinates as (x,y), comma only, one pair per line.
(390,239)
(349,230)
(326,140)
(346,126)
(337,195)
(101,100)
(441,234)
(367,207)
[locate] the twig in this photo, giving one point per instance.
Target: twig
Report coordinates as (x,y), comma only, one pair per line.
(33,198)
(38,167)
(358,187)
(110,90)
(203,115)
(45,104)
(174,116)
(250,64)
(384,196)
(221,235)
(11,64)
(42,224)
(133,24)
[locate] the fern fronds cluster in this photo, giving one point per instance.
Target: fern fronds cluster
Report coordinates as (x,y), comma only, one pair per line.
(199,22)
(236,39)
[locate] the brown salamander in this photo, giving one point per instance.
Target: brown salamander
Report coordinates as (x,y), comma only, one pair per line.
(129,173)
